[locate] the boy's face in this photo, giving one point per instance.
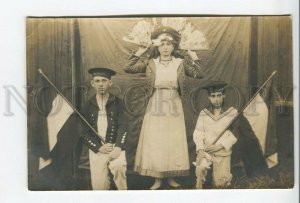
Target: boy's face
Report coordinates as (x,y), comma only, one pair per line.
(101,84)
(216,99)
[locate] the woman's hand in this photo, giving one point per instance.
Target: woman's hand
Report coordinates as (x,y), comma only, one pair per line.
(143,48)
(193,55)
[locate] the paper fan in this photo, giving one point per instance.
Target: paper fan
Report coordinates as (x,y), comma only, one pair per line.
(177,24)
(193,39)
(140,33)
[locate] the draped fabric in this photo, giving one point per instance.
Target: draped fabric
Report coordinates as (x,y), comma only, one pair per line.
(102,45)
(275,48)
(227,59)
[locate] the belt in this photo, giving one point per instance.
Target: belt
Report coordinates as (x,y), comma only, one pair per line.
(165,87)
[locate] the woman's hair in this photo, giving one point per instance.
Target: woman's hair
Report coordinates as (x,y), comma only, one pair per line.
(154,53)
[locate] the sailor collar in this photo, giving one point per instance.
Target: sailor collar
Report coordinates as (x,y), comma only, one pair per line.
(224,111)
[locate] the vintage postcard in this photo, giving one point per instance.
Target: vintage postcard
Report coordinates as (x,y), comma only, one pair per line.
(160,102)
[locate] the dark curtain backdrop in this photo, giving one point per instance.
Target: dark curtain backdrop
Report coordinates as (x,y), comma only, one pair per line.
(275,53)
(49,46)
(65,48)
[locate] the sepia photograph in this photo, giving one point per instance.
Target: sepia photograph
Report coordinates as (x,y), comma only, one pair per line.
(160,102)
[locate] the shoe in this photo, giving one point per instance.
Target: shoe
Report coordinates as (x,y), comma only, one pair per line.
(170,187)
(157,184)
(172,183)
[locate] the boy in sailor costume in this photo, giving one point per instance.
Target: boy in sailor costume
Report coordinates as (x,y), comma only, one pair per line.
(211,153)
(105,113)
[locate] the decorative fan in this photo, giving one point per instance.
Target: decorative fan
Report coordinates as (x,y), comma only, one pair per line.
(191,38)
(175,23)
(140,33)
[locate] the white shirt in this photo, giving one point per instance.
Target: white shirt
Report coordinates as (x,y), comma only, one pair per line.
(102,117)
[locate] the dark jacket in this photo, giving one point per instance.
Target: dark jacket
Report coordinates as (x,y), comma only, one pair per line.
(116,123)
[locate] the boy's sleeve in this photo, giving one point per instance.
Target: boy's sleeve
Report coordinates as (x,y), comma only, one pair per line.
(88,137)
(199,133)
(122,125)
(227,140)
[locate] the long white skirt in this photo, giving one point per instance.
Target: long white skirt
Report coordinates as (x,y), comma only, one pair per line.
(162,149)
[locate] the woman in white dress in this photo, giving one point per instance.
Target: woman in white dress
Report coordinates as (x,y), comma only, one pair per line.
(162,150)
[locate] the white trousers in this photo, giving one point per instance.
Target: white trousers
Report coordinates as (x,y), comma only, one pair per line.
(221,171)
(100,165)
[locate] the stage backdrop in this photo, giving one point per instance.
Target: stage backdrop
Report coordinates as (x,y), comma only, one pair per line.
(242,51)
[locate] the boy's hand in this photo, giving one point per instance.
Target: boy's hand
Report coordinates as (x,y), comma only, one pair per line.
(115,153)
(200,156)
(106,148)
(213,148)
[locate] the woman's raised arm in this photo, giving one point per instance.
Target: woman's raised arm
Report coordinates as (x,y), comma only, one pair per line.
(137,63)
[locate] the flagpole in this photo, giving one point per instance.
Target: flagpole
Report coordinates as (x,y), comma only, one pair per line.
(78,113)
(252,98)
